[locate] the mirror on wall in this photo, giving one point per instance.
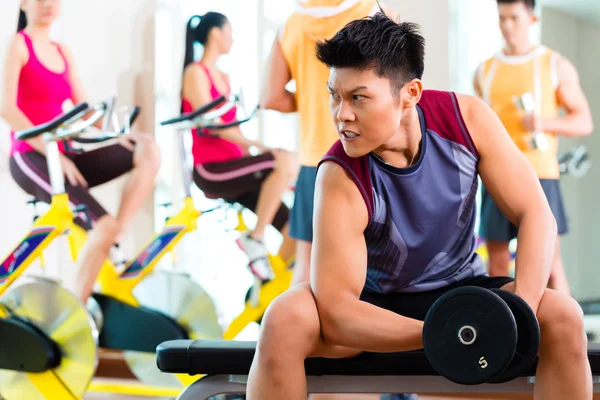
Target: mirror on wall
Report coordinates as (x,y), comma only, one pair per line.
(210,252)
(573,29)
(566,30)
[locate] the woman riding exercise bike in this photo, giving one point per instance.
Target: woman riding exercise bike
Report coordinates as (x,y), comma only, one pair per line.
(223,166)
(40,82)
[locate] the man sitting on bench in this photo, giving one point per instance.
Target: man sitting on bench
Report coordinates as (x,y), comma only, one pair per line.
(394,222)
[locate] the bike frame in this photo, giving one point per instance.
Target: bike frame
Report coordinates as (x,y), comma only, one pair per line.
(56,221)
(120,285)
(59,220)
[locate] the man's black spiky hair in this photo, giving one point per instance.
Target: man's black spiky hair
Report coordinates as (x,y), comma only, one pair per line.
(391,49)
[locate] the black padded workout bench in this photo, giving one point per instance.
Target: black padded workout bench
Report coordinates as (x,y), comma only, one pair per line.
(226,364)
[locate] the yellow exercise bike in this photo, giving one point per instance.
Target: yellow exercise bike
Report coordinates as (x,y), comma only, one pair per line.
(141,307)
(50,345)
(135,310)
(260,295)
(48,338)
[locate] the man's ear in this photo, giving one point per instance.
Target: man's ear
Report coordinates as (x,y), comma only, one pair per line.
(534,16)
(412,95)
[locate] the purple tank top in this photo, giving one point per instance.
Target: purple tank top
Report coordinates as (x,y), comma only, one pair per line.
(41,93)
(420,235)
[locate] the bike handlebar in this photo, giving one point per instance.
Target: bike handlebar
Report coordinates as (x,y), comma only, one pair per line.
(132,117)
(30,133)
(194,114)
(206,117)
(232,124)
(70,125)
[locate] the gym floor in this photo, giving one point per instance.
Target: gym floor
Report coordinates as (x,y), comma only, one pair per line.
(106,396)
(112,369)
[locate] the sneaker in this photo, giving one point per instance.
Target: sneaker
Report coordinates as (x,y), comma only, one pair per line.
(258,256)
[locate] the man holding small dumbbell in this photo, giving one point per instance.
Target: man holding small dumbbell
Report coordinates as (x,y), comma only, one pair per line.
(525,85)
(394,232)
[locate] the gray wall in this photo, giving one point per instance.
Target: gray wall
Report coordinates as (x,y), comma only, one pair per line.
(578,40)
(433,16)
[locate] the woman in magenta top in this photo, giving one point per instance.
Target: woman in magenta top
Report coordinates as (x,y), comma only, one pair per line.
(223,166)
(40,83)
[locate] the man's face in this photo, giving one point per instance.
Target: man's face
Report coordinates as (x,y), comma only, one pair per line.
(365,111)
(515,21)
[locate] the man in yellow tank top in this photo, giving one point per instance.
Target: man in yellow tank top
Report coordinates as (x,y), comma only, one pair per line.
(293,57)
(526,85)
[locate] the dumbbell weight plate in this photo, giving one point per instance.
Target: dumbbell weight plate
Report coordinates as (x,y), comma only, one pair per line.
(528,337)
(491,349)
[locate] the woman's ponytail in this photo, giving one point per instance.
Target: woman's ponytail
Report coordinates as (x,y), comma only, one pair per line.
(190,40)
(22,21)
(198,30)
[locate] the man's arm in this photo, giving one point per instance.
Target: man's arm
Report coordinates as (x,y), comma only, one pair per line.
(512,183)
(476,84)
(339,268)
(274,94)
(578,121)
(392,14)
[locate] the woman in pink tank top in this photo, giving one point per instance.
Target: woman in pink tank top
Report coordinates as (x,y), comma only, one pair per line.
(223,166)
(40,84)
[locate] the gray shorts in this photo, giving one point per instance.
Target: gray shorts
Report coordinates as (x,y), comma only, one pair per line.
(301,217)
(495,226)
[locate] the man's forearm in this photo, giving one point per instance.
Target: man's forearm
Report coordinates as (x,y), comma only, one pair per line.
(360,325)
(573,125)
(535,252)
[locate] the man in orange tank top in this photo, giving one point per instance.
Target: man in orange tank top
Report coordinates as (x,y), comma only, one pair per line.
(526,85)
(293,58)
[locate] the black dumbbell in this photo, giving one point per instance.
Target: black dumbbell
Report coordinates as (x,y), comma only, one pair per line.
(473,335)
(528,339)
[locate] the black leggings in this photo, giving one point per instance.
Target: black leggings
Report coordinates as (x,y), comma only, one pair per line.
(98,166)
(239,181)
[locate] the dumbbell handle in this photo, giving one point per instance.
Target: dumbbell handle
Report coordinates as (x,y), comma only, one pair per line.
(467,335)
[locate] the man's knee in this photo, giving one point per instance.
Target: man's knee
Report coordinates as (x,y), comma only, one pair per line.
(561,324)
(290,323)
